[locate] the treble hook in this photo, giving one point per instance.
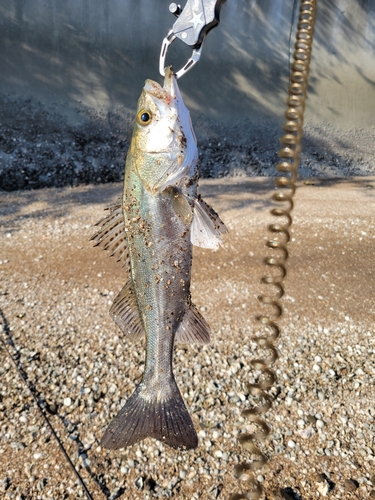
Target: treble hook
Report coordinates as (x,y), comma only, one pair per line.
(194,21)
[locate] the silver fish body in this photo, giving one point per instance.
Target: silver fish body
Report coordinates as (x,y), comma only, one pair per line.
(160,211)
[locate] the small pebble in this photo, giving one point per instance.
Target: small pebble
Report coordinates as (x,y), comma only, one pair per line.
(51,408)
(40,484)
(17,445)
(5,484)
(139,483)
(351,484)
(322,488)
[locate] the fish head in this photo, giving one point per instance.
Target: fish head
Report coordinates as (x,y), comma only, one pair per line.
(163,142)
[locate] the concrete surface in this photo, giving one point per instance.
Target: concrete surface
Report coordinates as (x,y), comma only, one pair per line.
(98,53)
(80,63)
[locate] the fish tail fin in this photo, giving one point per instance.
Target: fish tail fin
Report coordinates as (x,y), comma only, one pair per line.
(158,414)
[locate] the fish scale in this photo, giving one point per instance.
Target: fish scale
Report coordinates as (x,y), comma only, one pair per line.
(151,256)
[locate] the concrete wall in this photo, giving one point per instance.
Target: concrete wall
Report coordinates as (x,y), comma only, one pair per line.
(99,52)
(82,63)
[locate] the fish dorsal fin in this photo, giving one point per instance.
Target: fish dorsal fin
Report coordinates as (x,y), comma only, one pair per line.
(193,328)
(207,227)
(112,236)
(125,313)
(180,204)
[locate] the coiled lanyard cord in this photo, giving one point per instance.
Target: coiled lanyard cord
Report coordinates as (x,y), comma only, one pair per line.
(280,235)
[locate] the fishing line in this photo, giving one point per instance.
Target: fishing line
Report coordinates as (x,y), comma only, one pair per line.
(40,408)
(280,236)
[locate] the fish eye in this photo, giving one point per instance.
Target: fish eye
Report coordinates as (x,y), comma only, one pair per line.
(144,117)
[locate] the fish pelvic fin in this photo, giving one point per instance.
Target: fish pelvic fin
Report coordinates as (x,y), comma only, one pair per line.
(125,313)
(193,328)
(207,227)
(112,236)
(160,415)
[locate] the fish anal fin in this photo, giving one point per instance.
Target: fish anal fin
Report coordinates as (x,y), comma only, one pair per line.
(148,413)
(193,328)
(125,313)
(207,227)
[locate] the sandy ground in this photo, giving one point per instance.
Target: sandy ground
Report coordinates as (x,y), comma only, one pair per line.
(56,291)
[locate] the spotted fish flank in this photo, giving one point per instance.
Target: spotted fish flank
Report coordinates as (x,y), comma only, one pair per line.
(162,216)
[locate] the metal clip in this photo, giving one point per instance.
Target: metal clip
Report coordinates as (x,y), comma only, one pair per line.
(193,23)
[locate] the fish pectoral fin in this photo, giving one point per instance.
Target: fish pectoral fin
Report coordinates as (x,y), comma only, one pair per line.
(193,328)
(207,227)
(112,236)
(149,414)
(124,312)
(180,204)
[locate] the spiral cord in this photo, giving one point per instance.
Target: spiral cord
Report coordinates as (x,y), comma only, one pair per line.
(285,185)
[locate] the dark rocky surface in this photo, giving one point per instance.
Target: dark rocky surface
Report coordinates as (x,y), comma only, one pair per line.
(41,148)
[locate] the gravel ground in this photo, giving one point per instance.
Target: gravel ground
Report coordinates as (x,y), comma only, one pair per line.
(56,291)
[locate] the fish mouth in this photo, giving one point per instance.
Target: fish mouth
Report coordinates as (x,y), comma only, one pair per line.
(164,98)
(168,92)
(181,151)
(156,91)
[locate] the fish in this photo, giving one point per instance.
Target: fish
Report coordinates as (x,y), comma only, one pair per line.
(152,232)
